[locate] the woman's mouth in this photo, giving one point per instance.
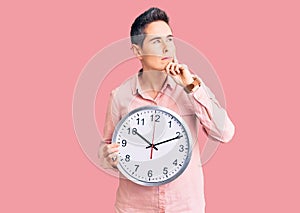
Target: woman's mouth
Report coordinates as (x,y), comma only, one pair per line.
(166,58)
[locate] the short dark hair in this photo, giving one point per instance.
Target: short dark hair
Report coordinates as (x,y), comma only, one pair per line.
(137,33)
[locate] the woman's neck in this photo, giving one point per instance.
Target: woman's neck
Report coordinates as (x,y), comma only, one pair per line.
(152,82)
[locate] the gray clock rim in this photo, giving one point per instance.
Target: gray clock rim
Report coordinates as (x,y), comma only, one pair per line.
(185,126)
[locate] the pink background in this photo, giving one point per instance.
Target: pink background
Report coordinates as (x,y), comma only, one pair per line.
(254,48)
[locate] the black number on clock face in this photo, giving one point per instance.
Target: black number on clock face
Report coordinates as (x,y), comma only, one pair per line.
(178,134)
(150,173)
(124,143)
(132,131)
(170,122)
(136,167)
(156,118)
(165,170)
(181,148)
(127,158)
(175,162)
(140,121)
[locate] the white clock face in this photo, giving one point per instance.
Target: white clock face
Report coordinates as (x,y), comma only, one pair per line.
(155,145)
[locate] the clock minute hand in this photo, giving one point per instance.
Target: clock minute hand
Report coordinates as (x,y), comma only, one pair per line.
(177,137)
(150,144)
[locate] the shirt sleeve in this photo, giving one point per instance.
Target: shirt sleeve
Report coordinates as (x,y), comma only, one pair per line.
(111,119)
(213,117)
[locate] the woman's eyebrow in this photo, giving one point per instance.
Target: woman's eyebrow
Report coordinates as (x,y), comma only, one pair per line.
(154,38)
(160,37)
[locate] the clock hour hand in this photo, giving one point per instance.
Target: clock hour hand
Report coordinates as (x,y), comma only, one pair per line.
(177,137)
(150,145)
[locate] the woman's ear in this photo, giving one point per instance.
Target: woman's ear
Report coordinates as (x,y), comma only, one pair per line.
(137,51)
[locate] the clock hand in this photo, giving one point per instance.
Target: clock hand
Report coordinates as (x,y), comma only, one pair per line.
(177,137)
(152,145)
(146,140)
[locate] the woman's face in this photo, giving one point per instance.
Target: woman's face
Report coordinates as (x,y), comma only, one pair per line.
(158,47)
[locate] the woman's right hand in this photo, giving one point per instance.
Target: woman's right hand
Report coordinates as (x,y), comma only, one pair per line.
(110,152)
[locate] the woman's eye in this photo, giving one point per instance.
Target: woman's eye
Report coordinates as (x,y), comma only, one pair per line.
(156,41)
(170,39)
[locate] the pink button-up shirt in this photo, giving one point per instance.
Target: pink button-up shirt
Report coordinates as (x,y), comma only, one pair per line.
(186,193)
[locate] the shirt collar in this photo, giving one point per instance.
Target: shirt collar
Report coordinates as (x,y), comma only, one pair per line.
(136,87)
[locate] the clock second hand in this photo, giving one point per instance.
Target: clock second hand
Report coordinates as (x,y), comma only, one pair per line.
(152,145)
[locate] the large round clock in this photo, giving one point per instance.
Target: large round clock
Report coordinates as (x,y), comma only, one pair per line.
(155,145)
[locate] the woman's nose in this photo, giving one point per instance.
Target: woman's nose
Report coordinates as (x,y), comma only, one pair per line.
(165,47)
